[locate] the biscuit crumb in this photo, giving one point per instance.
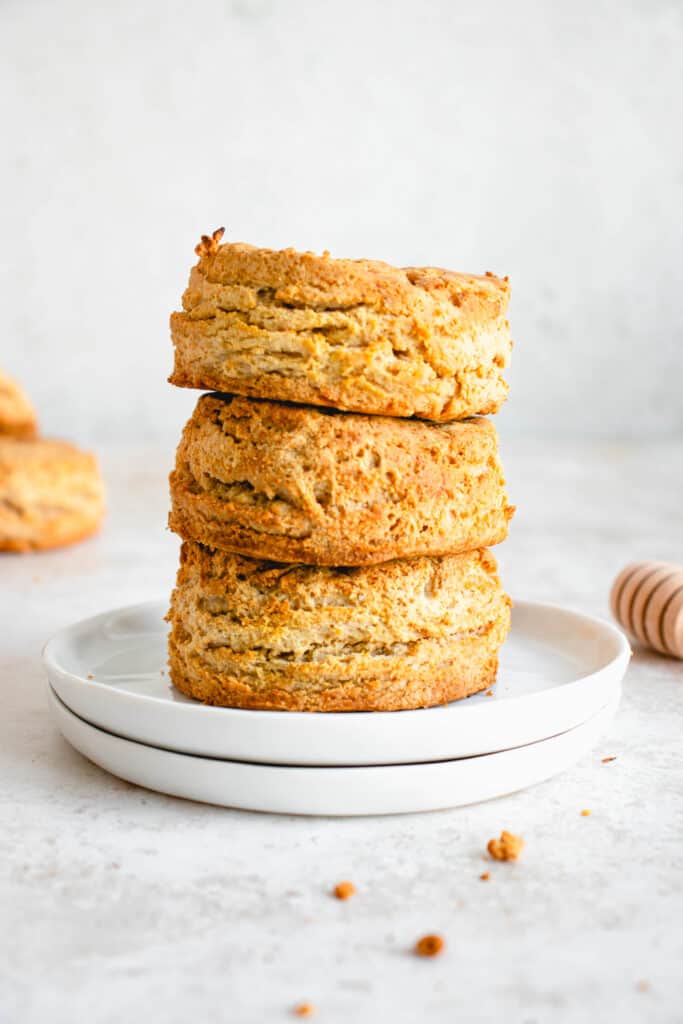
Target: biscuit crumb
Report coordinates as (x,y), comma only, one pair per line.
(304,1010)
(486,876)
(209,243)
(344,890)
(643,986)
(606,760)
(508,847)
(430,945)
(90,676)
(586,813)
(489,693)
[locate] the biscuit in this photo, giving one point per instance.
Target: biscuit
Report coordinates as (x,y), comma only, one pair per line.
(405,634)
(352,334)
(17,417)
(298,484)
(50,494)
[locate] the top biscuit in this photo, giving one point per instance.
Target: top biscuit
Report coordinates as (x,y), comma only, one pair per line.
(354,335)
(17,417)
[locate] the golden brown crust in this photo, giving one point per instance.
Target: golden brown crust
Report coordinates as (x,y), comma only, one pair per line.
(17,416)
(208,244)
(305,279)
(51,494)
(352,334)
(298,484)
(405,634)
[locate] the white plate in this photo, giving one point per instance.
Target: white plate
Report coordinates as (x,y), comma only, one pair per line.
(384,789)
(558,668)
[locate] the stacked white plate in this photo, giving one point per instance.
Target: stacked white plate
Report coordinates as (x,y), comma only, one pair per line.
(558,688)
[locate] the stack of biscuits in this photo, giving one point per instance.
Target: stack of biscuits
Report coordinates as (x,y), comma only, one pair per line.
(336,493)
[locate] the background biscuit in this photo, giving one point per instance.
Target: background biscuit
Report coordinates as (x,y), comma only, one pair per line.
(17,416)
(51,493)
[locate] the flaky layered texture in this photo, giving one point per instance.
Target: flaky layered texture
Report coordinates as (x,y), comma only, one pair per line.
(17,416)
(406,634)
(50,494)
(299,484)
(351,334)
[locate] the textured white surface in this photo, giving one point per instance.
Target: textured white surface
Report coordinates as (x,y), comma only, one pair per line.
(121,905)
(540,140)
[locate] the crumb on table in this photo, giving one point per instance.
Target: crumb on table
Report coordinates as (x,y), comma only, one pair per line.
(304,1010)
(430,945)
(344,890)
(508,847)
(485,876)
(586,813)
(606,760)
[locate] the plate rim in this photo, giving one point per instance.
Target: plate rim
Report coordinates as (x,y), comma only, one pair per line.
(415,736)
(622,653)
(382,801)
(613,700)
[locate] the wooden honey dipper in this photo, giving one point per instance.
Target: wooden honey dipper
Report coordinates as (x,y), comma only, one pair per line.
(647,600)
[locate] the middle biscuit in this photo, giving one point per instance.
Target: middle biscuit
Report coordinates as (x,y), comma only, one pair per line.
(298,484)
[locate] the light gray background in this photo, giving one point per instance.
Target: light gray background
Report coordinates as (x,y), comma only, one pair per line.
(542,140)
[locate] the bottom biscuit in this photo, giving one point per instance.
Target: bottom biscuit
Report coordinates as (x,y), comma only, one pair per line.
(403,634)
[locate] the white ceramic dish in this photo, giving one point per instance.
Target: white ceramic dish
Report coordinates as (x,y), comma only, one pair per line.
(388,789)
(558,668)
